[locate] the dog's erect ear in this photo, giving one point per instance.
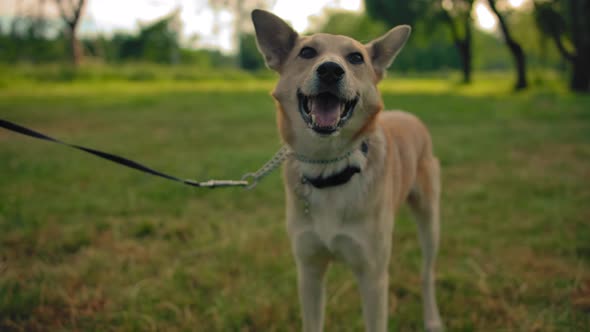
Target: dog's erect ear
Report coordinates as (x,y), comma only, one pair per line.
(384,49)
(275,38)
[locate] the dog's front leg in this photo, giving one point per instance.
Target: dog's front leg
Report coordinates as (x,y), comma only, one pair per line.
(369,261)
(312,293)
(312,260)
(373,290)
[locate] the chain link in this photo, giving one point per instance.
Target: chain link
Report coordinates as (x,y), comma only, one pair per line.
(267,168)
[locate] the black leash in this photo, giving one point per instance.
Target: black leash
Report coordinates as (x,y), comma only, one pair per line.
(122,161)
(249,180)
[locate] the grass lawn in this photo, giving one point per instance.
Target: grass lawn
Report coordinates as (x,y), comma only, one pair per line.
(87,245)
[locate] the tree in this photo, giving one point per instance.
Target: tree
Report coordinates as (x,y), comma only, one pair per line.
(457,14)
(248,54)
(566,23)
(71,13)
(397,12)
(155,42)
(428,51)
(355,25)
(159,39)
(241,10)
(514,47)
(31,34)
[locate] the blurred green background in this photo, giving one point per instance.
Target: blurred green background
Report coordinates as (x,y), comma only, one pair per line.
(86,245)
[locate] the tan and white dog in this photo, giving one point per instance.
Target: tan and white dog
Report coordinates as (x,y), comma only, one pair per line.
(351,165)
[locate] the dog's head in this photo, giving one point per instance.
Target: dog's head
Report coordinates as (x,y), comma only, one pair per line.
(327,82)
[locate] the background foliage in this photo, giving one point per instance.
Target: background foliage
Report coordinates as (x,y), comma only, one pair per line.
(430,48)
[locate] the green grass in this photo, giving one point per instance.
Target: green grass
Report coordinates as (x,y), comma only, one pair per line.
(91,246)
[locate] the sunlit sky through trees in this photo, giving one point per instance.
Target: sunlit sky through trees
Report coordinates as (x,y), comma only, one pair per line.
(202,27)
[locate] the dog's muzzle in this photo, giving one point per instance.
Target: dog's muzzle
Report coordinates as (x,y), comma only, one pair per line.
(325,113)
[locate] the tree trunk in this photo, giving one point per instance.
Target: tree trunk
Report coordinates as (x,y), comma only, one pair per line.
(514,47)
(463,45)
(580,81)
(74,47)
(71,15)
(519,60)
(579,10)
(464,49)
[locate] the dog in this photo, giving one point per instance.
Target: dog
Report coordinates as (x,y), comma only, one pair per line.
(351,165)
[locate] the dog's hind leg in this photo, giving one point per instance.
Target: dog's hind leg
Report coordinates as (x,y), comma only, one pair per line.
(424,202)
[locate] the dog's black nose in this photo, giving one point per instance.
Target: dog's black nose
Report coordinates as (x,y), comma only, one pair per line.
(330,72)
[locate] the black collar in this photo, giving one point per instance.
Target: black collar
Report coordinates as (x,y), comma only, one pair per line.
(335,179)
(339,178)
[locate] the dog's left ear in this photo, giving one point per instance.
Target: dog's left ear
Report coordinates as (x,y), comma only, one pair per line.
(383,50)
(274,36)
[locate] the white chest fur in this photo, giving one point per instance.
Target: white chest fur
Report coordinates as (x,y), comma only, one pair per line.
(347,221)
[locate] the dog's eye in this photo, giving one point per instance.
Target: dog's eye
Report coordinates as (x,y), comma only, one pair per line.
(355,58)
(308,53)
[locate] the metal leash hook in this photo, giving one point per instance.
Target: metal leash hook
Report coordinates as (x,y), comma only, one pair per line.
(248,180)
(221,183)
(267,168)
(251,180)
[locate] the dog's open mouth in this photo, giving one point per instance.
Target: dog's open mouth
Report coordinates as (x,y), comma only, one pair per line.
(325,113)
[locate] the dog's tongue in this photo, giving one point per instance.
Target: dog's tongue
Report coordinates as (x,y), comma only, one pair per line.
(326,110)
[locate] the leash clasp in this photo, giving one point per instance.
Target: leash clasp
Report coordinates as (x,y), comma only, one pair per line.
(250,179)
(222,183)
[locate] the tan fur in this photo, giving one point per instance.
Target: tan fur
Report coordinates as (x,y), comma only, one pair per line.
(409,149)
(352,222)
